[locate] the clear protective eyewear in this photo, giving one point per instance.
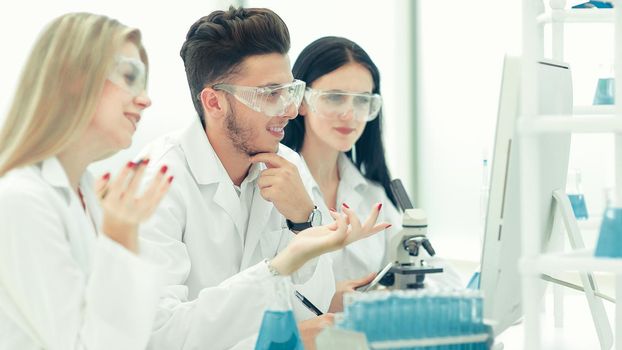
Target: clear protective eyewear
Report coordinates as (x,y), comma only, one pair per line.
(270,100)
(130,74)
(335,104)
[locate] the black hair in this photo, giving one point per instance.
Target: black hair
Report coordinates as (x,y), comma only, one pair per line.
(320,58)
(217,44)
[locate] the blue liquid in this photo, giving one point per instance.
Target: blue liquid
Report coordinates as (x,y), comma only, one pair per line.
(604,92)
(474,281)
(610,236)
(278,332)
(419,316)
(578,206)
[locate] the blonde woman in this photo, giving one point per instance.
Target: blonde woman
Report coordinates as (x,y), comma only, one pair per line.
(71,276)
(70,273)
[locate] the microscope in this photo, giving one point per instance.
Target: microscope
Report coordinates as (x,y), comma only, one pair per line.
(408,270)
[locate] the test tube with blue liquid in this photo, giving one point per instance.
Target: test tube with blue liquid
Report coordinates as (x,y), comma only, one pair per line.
(416,315)
(398,310)
(454,316)
(415,303)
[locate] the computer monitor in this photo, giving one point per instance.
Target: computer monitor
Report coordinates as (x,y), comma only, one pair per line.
(500,280)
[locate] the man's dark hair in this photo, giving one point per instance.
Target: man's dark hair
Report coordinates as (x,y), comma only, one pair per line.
(217,44)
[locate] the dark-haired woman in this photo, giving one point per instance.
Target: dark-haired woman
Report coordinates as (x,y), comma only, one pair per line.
(338,133)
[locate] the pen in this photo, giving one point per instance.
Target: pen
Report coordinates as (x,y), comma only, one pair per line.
(308,304)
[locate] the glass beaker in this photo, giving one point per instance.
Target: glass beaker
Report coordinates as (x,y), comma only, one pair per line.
(610,236)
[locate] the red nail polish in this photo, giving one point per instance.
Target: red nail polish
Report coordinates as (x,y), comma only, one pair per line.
(332,209)
(170,179)
(345,205)
(163,169)
(130,165)
(379,206)
(106,176)
(145,161)
(388,226)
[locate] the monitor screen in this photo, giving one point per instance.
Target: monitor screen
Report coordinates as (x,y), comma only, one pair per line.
(500,280)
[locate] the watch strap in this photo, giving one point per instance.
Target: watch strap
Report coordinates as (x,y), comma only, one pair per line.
(300,226)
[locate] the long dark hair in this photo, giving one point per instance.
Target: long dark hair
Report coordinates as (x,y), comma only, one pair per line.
(320,58)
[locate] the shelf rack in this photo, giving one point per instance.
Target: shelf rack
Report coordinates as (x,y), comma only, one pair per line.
(586,119)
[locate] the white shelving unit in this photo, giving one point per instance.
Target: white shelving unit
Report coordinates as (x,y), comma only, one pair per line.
(586,119)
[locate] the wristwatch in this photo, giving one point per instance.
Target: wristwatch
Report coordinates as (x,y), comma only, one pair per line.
(315,219)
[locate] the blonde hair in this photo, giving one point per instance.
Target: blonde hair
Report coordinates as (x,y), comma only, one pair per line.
(60,86)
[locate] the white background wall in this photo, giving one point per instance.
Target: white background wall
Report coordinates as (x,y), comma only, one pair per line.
(461,49)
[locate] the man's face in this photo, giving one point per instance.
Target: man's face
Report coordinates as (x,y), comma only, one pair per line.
(253,132)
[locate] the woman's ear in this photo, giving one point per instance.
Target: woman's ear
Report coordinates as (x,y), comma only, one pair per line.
(302,110)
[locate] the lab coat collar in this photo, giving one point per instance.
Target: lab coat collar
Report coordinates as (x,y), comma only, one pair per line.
(352,184)
(258,217)
(207,169)
(203,161)
(54,174)
(349,173)
(205,166)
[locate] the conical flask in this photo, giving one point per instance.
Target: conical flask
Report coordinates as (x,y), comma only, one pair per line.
(278,328)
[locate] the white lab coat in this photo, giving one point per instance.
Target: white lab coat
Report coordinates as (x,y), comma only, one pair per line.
(62,285)
(196,236)
(369,255)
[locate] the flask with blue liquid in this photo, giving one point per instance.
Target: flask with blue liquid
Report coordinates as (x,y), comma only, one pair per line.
(605,92)
(278,328)
(575,194)
(609,243)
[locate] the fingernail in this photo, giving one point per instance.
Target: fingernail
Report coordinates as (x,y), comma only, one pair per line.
(106,176)
(145,161)
(163,169)
(170,179)
(389,225)
(345,205)
(130,165)
(332,209)
(379,206)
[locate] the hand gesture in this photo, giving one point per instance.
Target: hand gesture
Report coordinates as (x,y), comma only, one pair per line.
(316,241)
(123,208)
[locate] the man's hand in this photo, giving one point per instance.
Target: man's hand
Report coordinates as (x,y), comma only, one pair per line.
(309,329)
(281,184)
(347,286)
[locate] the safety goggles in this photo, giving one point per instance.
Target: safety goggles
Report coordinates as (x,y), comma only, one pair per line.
(335,104)
(129,74)
(270,100)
